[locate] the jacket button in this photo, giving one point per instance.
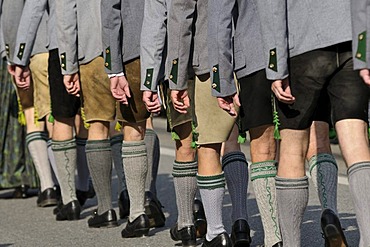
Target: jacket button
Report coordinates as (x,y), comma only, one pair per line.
(214,69)
(214,85)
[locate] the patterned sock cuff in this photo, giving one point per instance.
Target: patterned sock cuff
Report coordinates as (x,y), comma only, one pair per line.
(232,157)
(133,149)
(291,183)
(321,158)
(97,145)
(211,182)
(63,145)
(265,169)
(36,135)
(185,169)
(358,166)
(150,132)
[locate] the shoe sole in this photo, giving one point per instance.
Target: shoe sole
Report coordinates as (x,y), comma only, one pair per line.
(200,228)
(157,221)
(138,233)
(334,236)
(48,203)
(105,225)
(242,243)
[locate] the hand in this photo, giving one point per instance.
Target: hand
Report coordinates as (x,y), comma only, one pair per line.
(22,76)
(281,89)
(72,84)
(120,89)
(228,104)
(151,101)
(11,69)
(180,100)
(365,75)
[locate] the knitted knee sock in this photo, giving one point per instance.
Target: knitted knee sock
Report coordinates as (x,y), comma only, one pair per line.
(36,143)
(52,162)
(324,174)
(116,146)
(185,181)
(359,185)
(235,168)
(212,189)
(292,199)
(263,180)
(152,146)
(65,159)
(98,154)
(135,165)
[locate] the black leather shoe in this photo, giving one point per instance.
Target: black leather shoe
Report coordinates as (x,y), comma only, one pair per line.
(47,198)
(70,211)
(153,209)
(138,228)
(332,230)
(106,219)
(240,234)
(21,191)
(124,204)
(186,235)
(222,240)
(200,221)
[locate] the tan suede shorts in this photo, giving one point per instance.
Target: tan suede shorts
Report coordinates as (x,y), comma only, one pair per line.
(25,97)
(41,95)
(175,118)
(98,102)
(212,124)
(135,111)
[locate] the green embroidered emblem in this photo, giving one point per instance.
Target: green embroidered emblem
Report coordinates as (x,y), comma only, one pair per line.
(149,78)
(273,60)
(174,70)
(108,59)
(361,47)
(216,78)
(21,50)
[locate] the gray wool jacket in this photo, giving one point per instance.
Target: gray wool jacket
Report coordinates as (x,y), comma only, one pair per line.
(187,41)
(121,28)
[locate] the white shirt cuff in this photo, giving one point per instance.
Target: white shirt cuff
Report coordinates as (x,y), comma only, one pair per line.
(114,75)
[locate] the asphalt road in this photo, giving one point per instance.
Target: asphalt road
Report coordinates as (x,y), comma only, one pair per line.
(22,223)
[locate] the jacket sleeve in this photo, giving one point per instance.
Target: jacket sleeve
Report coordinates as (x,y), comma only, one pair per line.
(220,48)
(112,35)
(153,44)
(360,11)
(66,13)
(32,14)
(180,34)
(275,37)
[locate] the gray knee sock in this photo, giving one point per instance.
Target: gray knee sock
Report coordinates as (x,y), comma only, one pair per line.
(65,159)
(292,199)
(235,168)
(324,175)
(135,164)
(83,173)
(185,181)
(36,143)
(359,185)
(116,146)
(212,189)
(98,153)
(52,163)
(152,147)
(263,180)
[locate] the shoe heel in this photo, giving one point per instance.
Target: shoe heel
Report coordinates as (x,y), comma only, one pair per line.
(158,220)
(141,232)
(74,215)
(200,228)
(334,237)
